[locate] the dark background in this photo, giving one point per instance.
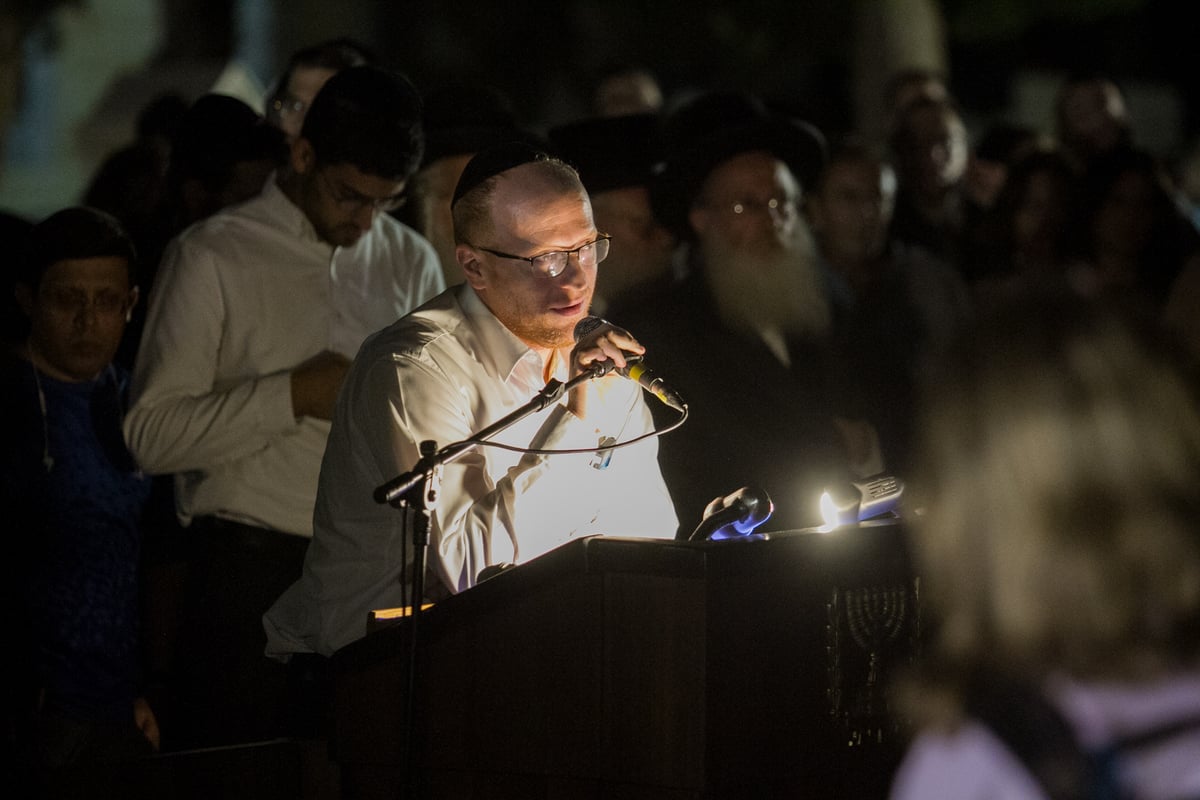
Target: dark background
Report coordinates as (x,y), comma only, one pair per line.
(826,60)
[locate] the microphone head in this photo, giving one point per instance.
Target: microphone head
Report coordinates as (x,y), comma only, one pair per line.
(586,326)
(742,512)
(756,508)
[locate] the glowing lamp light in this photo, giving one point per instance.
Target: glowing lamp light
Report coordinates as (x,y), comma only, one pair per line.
(866,499)
(829,512)
(837,509)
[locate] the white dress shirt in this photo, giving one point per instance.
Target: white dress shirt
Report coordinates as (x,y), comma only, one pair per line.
(442,374)
(242,299)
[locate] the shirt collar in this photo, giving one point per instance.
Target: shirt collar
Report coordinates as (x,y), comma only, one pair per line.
(498,348)
(289,216)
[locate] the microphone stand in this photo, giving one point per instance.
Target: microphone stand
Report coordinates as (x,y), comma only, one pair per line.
(416,492)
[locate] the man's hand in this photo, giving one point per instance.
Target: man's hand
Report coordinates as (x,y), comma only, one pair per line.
(606,343)
(315,384)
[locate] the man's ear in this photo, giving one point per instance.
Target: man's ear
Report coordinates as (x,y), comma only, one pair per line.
(472,267)
(134,294)
(302,157)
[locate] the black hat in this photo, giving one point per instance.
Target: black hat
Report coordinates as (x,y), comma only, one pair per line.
(217,132)
(609,152)
(462,120)
(491,161)
(710,129)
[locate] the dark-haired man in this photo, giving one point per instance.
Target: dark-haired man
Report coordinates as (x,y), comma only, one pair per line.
(258,312)
(529,249)
(72,500)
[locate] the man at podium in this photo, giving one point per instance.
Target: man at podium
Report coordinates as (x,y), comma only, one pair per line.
(529,248)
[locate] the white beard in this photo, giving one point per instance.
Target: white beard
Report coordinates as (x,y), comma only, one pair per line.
(774,290)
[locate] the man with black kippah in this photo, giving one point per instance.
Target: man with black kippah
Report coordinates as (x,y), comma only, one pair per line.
(529,248)
(258,311)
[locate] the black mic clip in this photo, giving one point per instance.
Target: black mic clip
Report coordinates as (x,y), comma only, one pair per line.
(601,368)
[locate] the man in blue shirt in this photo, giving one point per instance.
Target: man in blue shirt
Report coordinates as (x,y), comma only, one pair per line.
(74,498)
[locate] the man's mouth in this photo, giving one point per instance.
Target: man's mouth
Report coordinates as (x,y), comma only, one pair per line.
(571,310)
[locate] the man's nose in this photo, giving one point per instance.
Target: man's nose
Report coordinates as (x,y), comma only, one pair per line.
(573,273)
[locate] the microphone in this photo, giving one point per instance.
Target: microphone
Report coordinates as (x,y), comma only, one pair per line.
(635,368)
(744,510)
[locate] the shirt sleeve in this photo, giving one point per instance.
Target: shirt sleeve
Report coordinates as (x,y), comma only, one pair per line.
(180,419)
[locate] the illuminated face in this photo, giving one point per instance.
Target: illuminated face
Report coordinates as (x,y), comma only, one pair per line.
(78,315)
(748,202)
(341,201)
(531,216)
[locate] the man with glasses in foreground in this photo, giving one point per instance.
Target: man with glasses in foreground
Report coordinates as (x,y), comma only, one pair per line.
(251,330)
(529,248)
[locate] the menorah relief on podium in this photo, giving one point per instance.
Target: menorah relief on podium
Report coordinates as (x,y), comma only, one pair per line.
(869,630)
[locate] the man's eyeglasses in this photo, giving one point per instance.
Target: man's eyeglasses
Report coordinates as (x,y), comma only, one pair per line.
(772,205)
(553,263)
(352,202)
(286,105)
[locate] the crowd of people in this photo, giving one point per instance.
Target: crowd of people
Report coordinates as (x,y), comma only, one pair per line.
(251,322)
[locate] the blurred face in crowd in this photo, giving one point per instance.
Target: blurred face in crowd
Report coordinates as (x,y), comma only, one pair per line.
(642,249)
(340,200)
(288,110)
(1092,117)
(759,257)
(531,215)
(77,316)
(1041,217)
(851,210)
(749,201)
(933,151)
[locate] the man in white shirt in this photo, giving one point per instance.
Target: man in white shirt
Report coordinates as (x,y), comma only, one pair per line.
(529,249)
(252,326)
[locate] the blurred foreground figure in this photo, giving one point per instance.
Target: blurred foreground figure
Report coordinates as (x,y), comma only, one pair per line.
(1062,558)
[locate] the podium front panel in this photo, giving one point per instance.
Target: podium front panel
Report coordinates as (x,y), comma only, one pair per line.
(625,667)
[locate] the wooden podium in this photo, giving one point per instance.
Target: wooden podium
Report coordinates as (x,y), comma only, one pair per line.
(634,668)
